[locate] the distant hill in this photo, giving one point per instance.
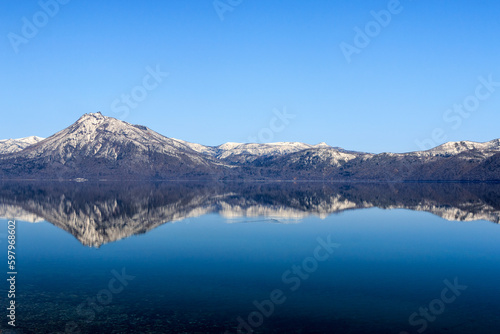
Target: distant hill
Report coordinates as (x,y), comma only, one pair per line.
(16,145)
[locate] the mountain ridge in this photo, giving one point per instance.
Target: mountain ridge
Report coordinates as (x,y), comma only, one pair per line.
(101,147)
(16,145)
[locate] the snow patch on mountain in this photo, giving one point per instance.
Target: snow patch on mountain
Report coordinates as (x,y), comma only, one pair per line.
(15,145)
(332,156)
(452,148)
(250,151)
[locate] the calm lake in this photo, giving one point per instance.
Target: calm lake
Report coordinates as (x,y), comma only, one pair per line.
(253,257)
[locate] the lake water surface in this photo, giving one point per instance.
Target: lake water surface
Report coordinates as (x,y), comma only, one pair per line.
(262,258)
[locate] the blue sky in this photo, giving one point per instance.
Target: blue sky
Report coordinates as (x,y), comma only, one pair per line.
(228,79)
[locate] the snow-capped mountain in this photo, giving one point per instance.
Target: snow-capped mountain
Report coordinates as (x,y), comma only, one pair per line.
(96,145)
(100,147)
(487,149)
(15,145)
(248,152)
(95,135)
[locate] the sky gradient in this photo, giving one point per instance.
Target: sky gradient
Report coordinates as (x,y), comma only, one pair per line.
(234,68)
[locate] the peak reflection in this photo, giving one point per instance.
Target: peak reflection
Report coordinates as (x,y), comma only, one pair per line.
(99,213)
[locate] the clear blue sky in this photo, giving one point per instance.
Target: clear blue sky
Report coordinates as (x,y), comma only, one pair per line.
(227,76)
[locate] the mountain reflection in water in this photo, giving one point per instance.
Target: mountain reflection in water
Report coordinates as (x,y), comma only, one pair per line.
(99,213)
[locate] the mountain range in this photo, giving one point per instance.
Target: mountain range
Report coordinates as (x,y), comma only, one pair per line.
(97,147)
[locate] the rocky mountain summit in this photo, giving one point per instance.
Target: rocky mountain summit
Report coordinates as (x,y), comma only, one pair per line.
(16,145)
(97,147)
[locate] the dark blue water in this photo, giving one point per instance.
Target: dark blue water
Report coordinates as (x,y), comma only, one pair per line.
(211,274)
